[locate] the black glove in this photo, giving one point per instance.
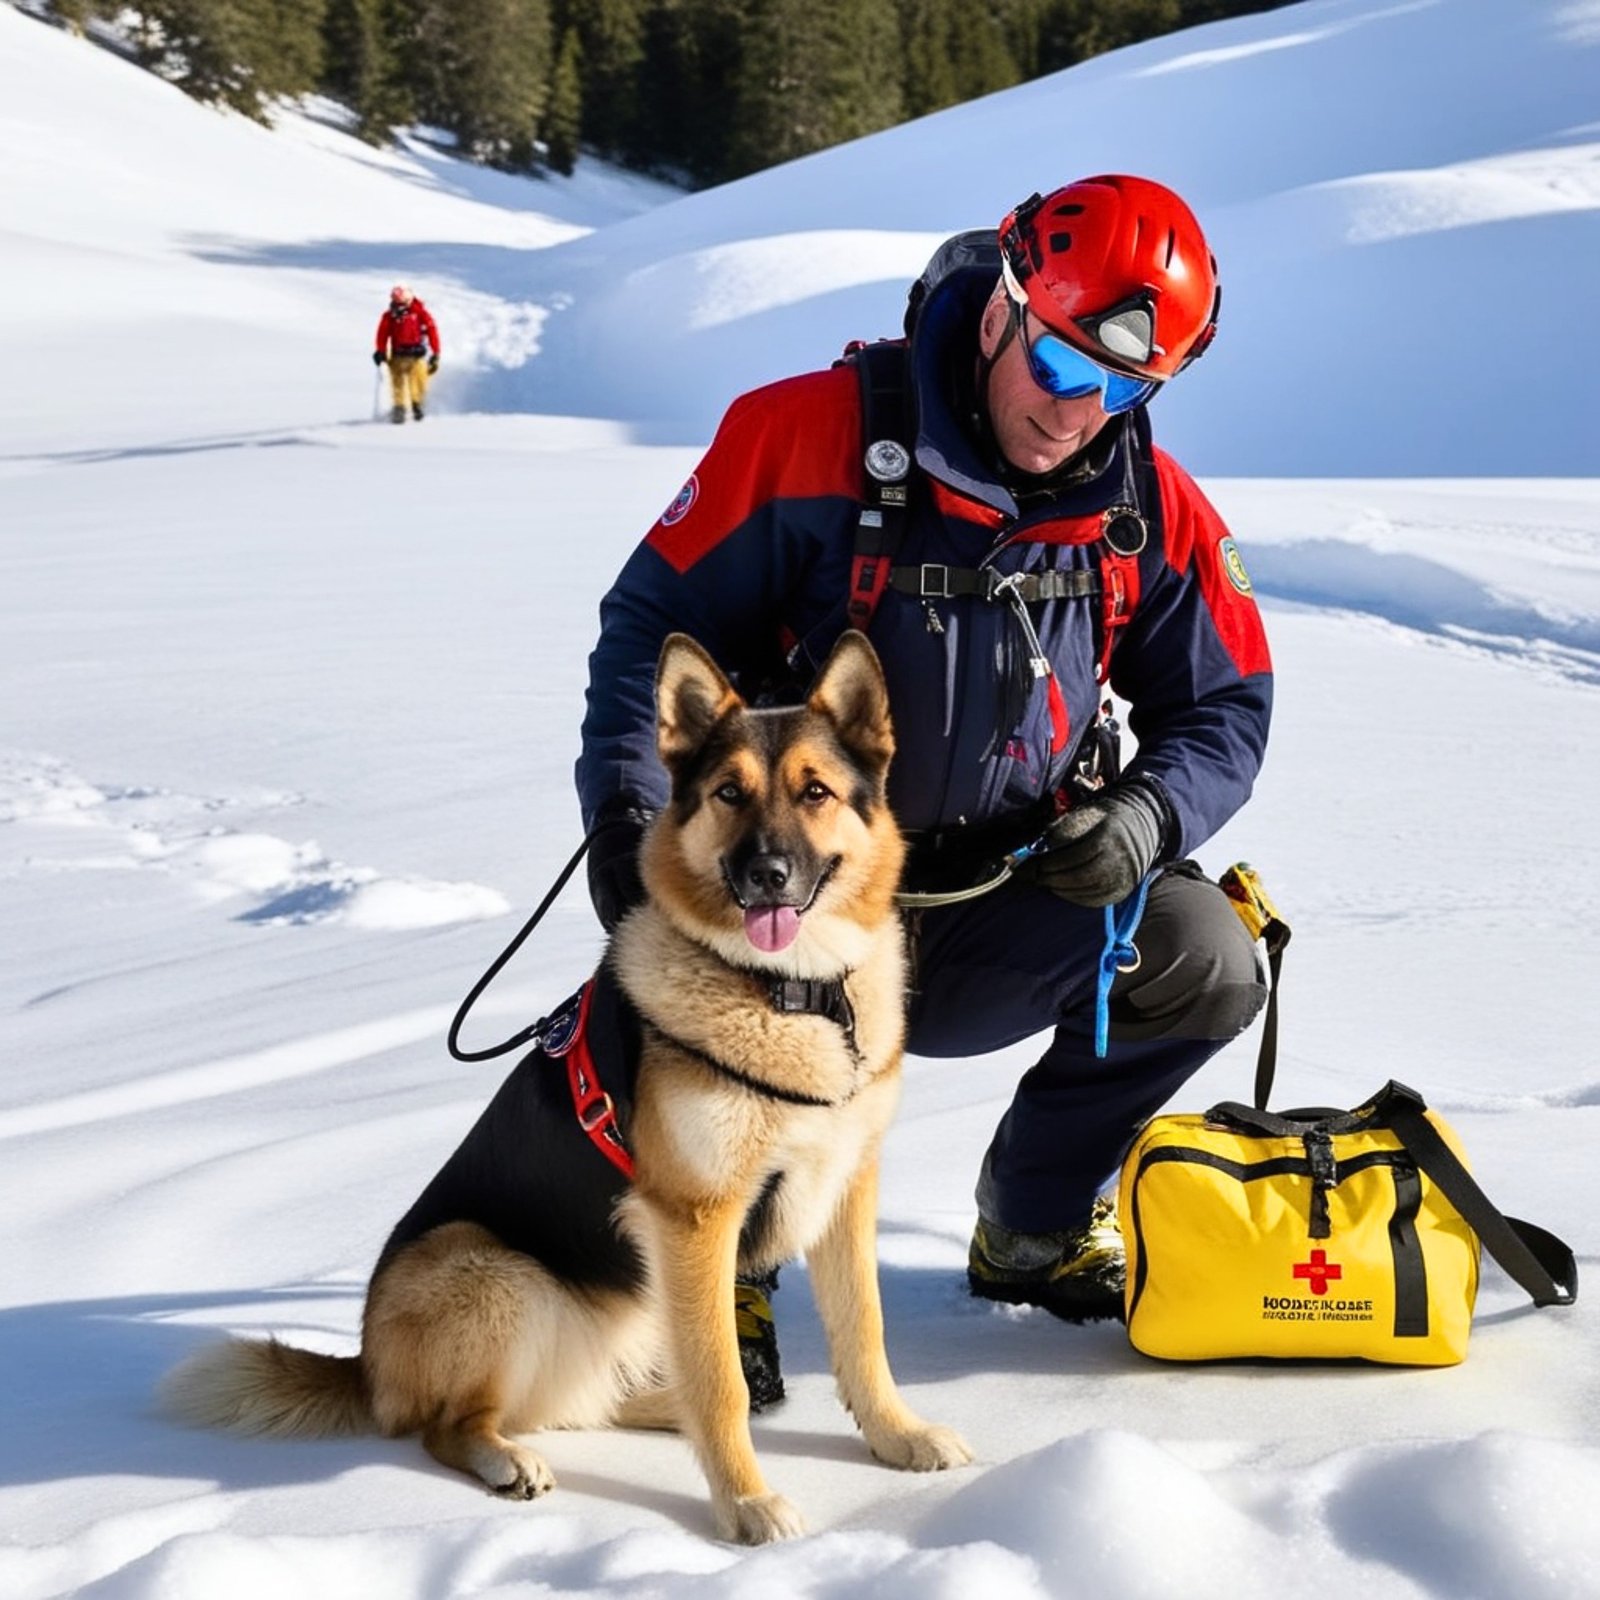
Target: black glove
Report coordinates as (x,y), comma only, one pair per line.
(614,884)
(1097,853)
(377,358)
(433,365)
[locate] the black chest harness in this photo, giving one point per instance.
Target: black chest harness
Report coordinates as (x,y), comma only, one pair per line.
(602,1063)
(888,441)
(602,1111)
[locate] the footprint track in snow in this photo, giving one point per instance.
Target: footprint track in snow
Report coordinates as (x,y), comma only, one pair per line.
(66,823)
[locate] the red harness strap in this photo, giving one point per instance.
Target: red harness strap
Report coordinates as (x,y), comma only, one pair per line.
(1119,598)
(869,577)
(596,1115)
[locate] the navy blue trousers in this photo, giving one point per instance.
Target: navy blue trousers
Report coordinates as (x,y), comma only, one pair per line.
(1019,961)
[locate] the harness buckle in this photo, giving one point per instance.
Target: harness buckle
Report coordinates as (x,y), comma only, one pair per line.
(593,1113)
(933,573)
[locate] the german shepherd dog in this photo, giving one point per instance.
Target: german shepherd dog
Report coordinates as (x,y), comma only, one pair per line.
(754,1134)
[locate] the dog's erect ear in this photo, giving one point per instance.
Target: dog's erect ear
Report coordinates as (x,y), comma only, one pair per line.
(692,696)
(850,691)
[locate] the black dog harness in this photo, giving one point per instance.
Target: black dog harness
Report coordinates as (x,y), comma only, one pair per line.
(602,1063)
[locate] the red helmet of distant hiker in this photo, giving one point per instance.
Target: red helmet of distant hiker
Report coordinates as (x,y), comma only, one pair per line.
(1118,267)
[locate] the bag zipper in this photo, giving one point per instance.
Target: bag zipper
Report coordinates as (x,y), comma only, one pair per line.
(1410,1268)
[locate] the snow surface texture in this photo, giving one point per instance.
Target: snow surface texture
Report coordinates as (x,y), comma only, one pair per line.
(288,706)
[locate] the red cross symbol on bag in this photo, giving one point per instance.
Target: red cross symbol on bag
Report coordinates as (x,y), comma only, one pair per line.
(1319,1271)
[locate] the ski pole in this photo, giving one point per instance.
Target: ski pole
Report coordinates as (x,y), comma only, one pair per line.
(377,392)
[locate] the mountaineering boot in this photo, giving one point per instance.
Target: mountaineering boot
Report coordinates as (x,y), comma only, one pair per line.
(398,414)
(416,411)
(758,1339)
(1077,1274)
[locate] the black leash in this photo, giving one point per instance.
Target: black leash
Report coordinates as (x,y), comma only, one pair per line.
(533,1030)
(820,997)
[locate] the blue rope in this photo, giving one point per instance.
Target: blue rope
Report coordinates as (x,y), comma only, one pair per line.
(1122,922)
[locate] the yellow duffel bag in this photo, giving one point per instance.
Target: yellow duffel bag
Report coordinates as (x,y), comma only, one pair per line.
(1316,1234)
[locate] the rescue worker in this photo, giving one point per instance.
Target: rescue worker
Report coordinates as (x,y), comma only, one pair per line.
(408,339)
(1048,550)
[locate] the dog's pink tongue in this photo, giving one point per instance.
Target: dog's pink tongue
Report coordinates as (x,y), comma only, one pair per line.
(771,928)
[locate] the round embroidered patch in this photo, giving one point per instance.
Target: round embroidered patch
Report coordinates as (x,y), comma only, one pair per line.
(888,460)
(1233,565)
(560,1033)
(679,508)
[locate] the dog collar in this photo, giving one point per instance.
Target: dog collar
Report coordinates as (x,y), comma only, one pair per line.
(819,997)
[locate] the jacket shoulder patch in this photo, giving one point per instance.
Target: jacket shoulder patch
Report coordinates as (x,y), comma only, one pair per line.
(1200,549)
(1233,565)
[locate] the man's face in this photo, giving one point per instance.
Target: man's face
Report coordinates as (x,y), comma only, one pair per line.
(1035,431)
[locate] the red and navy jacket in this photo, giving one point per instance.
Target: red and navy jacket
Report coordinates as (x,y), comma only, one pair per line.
(411,332)
(754,560)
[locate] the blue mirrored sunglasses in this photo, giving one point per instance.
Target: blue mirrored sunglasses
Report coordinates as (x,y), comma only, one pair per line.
(1069,374)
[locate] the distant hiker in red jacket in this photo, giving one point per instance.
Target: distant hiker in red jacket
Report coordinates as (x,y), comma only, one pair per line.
(408,339)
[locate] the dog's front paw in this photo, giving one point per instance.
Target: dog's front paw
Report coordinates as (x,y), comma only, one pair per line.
(923,1448)
(759,1519)
(520,1475)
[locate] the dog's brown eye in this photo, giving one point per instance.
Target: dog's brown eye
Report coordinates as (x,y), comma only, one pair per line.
(730,794)
(815,793)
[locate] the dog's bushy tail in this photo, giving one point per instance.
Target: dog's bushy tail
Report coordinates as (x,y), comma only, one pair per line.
(261,1386)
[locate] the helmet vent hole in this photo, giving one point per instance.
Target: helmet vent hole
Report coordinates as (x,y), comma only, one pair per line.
(1172,244)
(1060,241)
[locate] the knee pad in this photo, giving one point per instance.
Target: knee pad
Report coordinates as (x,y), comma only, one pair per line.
(1198,976)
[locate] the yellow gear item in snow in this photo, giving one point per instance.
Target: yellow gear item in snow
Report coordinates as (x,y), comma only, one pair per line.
(1292,1244)
(1242,885)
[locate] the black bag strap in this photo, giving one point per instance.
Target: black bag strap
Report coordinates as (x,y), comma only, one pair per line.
(1242,885)
(886,467)
(1275,937)
(1536,1259)
(1540,1262)
(1287,1124)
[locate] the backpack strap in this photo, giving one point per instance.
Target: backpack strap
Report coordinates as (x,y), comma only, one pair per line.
(1124,532)
(886,469)
(881,525)
(1541,1264)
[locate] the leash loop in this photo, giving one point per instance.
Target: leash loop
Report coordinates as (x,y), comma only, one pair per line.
(1119,955)
(535,1031)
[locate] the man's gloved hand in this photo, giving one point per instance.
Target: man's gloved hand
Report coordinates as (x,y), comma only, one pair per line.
(614,884)
(377,358)
(1097,852)
(433,365)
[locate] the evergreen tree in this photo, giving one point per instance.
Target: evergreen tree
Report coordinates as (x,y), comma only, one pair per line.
(1019,23)
(240,53)
(695,90)
(692,57)
(78,13)
(563,112)
(981,52)
(611,37)
(361,65)
(1194,12)
(812,73)
(481,69)
(1071,31)
(929,81)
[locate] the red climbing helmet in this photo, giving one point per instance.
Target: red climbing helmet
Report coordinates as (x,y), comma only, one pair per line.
(1119,268)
